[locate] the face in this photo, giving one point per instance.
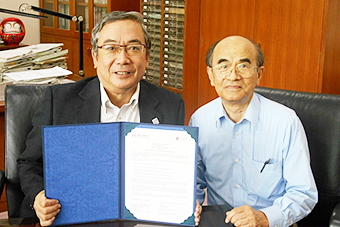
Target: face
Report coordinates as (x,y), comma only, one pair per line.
(235,90)
(12,27)
(120,73)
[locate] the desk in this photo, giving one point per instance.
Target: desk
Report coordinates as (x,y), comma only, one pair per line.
(18,222)
(212,216)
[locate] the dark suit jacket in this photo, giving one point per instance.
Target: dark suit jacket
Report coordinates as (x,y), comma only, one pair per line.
(78,103)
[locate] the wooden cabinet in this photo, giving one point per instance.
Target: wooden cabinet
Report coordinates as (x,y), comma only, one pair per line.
(165,23)
(169,22)
(300,41)
(54,29)
(293,36)
(219,19)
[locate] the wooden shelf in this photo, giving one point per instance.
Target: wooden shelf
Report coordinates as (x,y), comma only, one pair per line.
(83,4)
(100,5)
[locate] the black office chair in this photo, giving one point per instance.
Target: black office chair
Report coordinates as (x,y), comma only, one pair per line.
(319,113)
(2,181)
(320,116)
(21,101)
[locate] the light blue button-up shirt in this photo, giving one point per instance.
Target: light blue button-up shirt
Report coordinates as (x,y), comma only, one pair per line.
(232,155)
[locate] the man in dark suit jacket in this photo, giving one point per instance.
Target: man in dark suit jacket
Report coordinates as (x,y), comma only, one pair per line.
(121,62)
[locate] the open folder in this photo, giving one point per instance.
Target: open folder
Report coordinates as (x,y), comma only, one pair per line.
(121,170)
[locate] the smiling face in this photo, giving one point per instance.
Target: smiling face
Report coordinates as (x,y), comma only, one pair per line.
(120,73)
(235,90)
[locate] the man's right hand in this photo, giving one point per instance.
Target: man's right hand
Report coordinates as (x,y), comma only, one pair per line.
(197,214)
(46,209)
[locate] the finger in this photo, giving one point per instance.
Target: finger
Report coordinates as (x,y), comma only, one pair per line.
(51,215)
(51,209)
(227,215)
(49,202)
(47,217)
(197,214)
(234,215)
(198,207)
(41,200)
(243,216)
(47,214)
(240,223)
(47,222)
(197,220)
(48,209)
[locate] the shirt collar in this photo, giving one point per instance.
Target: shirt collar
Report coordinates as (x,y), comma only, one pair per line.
(105,101)
(220,111)
(221,115)
(252,112)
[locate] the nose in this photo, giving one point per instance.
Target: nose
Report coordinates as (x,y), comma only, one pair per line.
(233,74)
(122,57)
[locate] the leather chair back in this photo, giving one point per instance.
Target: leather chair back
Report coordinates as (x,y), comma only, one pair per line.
(320,116)
(21,101)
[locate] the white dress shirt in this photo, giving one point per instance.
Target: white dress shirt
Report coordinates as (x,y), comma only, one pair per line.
(129,112)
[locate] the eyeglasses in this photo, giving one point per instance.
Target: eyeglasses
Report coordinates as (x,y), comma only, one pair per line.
(130,49)
(244,70)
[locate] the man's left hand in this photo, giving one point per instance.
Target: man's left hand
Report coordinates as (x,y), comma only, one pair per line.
(246,216)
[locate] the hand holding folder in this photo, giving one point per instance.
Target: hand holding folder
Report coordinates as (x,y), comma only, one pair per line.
(121,171)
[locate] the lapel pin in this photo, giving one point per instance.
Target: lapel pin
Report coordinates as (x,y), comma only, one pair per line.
(155,121)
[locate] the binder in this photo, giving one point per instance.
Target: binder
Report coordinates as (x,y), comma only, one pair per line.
(121,171)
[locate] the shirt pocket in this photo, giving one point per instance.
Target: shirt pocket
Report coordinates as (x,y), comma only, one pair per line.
(267,183)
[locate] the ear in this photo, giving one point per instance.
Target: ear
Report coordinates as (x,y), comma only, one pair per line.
(260,72)
(94,58)
(211,76)
(147,61)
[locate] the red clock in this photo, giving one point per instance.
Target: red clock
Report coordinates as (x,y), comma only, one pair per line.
(12,31)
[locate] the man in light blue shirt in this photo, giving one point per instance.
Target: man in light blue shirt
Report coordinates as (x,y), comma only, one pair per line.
(253,152)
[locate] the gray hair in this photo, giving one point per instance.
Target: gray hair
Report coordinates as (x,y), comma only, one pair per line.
(117,16)
(259,56)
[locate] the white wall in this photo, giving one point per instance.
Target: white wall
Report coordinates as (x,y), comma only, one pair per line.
(32,25)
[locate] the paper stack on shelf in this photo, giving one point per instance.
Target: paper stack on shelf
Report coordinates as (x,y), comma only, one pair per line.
(39,56)
(41,76)
(43,63)
(55,75)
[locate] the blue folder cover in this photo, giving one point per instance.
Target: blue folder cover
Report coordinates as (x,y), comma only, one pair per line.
(84,170)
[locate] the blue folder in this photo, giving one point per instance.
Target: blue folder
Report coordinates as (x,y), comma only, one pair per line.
(84,170)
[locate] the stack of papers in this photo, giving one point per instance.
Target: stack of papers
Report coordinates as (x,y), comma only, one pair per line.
(38,76)
(39,56)
(55,75)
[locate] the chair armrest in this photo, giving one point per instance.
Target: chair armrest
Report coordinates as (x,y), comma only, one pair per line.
(2,181)
(335,218)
